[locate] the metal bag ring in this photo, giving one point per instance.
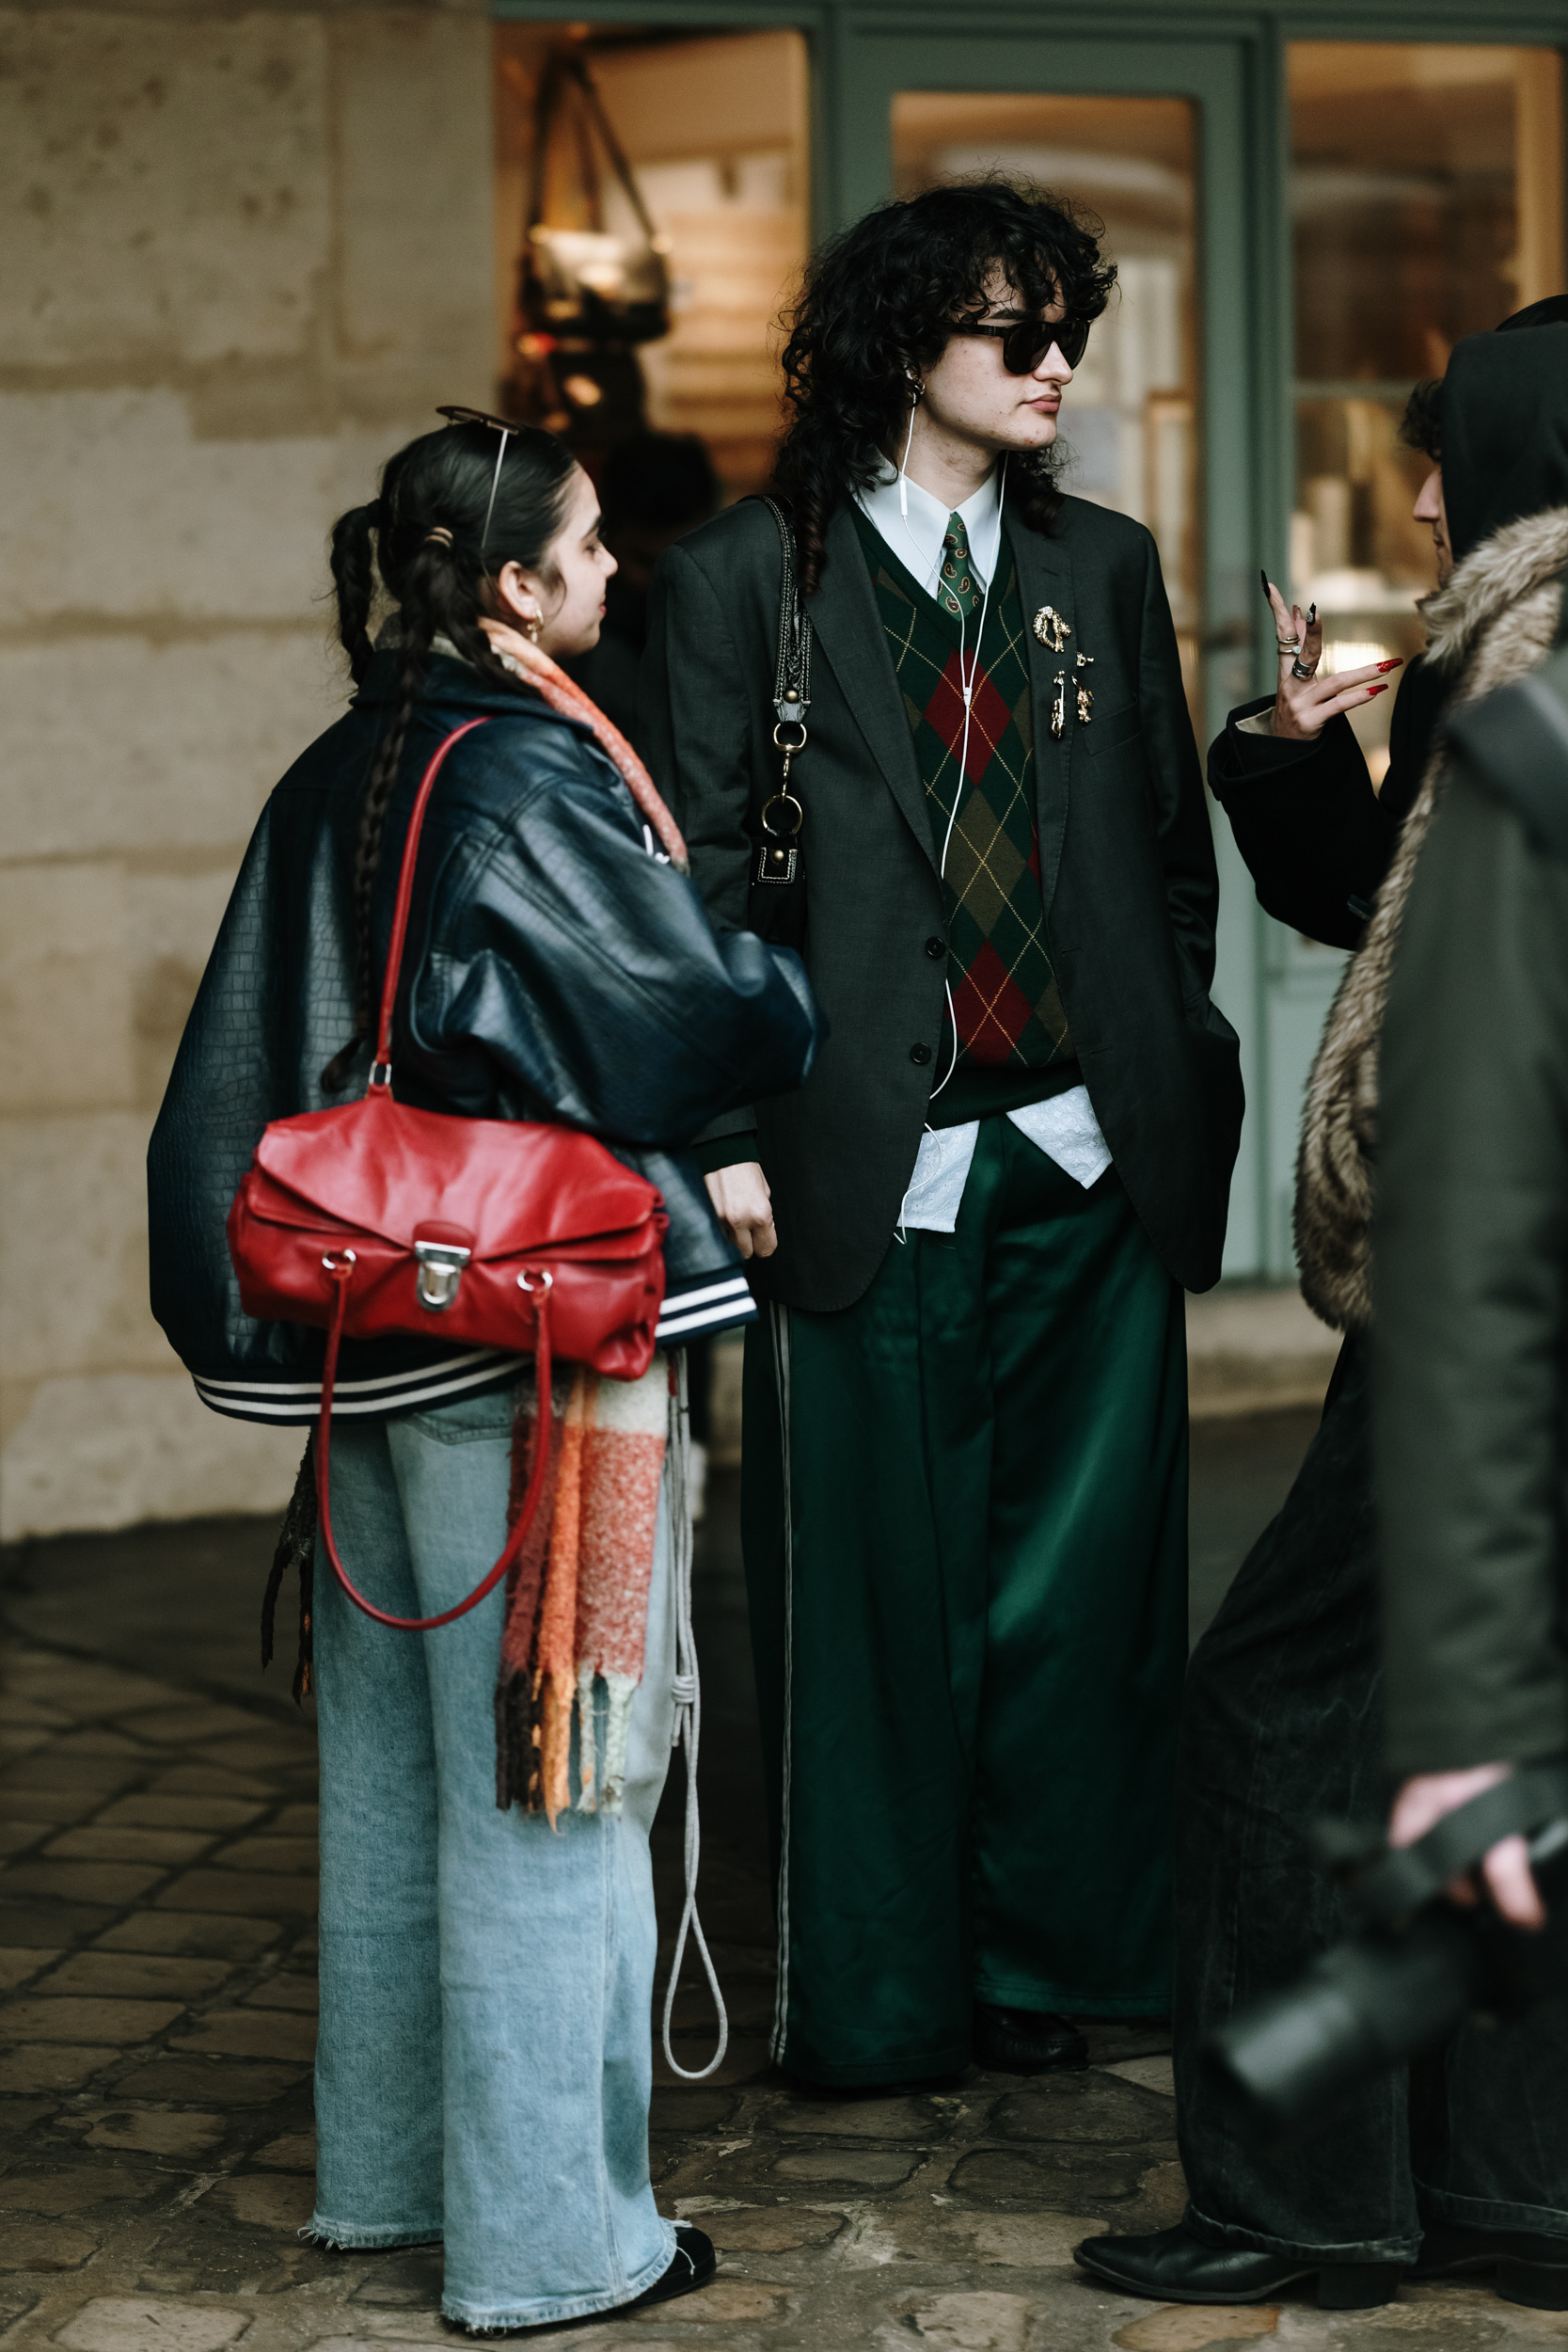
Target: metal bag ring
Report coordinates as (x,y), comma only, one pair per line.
(787,832)
(542,1281)
(800,727)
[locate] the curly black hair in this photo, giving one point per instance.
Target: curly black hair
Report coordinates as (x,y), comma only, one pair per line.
(881,298)
(1422,426)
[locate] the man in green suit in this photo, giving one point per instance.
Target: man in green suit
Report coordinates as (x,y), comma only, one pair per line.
(964,1489)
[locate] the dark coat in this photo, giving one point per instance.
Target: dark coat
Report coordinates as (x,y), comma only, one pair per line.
(1317,840)
(1470,1336)
(556,968)
(1127,865)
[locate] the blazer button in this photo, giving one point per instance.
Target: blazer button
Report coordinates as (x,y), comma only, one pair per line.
(935,947)
(921,1054)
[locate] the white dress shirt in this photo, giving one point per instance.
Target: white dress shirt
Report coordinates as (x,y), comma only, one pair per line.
(915,538)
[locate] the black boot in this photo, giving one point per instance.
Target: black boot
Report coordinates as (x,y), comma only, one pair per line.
(1173,2268)
(1530,2268)
(1027,2042)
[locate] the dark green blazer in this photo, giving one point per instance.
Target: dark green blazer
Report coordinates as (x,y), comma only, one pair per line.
(1127,866)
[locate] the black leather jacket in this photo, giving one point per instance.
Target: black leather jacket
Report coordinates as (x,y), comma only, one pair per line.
(557,967)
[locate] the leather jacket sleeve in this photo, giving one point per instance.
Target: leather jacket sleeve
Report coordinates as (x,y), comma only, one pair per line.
(565,962)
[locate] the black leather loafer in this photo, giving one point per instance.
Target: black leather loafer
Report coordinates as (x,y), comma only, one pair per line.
(1027,2042)
(1173,2268)
(692,2265)
(1530,2270)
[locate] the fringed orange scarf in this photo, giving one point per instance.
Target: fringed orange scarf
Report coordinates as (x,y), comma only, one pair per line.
(577,1598)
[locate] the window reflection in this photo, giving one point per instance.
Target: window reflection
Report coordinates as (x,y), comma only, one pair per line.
(1426,204)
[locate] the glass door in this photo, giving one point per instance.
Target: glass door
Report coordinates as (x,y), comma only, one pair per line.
(1426,185)
(1172,415)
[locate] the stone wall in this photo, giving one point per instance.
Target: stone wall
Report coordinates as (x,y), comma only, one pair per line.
(245,255)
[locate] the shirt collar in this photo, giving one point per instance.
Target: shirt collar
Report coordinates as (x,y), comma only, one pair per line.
(915,538)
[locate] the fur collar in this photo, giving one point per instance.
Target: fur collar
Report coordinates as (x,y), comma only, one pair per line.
(1496,621)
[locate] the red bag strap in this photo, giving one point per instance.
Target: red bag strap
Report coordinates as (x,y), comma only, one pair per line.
(381,1068)
(341,1271)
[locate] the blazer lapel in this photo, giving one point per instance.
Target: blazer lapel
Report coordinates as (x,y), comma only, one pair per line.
(1045,577)
(850,631)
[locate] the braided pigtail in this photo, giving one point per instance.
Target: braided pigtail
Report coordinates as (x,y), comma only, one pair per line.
(455,507)
(420,625)
(354,577)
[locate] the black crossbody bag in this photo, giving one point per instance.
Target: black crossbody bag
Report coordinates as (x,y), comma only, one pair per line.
(776,906)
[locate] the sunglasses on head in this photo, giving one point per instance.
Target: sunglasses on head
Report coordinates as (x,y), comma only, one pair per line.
(1026,342)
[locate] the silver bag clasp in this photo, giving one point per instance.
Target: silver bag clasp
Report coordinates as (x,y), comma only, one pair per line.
(441,1265)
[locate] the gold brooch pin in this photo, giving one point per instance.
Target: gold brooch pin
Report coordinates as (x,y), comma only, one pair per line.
(1058,708)
(1052,630)
(1086,697)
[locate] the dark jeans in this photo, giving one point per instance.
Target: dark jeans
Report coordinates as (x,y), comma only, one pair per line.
(1283,1723)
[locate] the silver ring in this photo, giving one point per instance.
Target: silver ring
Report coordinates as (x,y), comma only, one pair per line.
(1280,646)
(1296,671)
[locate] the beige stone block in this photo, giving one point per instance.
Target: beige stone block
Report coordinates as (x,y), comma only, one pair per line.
(65,1014)
(149,2132)
(76,2190)
(1252,1351)
(209,2082)
(135,1977)
(287,1992)
(131,744)
(1194,2326)
(985,2322)
(183,530)
(416,196)
(44,2246)
(74,1247)
(98,1844)
(52,2066)
(168,183)
(113,1449)
(73,2020)
(150,2323)
(17,1963)
(250,2033)
(266,2200)
(269,1853)
(147,1811)
(249,1894)
(80,1882)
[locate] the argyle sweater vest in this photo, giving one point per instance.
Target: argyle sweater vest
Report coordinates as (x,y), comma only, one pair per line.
(1006,1004)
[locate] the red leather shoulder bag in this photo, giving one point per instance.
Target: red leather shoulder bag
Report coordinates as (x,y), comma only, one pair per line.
(374,1218)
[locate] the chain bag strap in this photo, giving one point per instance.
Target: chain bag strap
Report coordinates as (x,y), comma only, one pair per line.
(778,903)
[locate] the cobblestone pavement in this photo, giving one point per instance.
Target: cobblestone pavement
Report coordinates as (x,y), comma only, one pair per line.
(158,1819)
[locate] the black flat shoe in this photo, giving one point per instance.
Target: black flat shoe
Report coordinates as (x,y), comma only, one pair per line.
(1530,2270)
(692,2265)
(1027,2042)
(1172,2267)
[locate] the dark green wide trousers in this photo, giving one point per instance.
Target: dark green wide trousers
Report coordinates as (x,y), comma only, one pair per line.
(964,1514)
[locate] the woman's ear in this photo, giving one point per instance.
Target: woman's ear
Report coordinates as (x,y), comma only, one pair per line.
(518,596)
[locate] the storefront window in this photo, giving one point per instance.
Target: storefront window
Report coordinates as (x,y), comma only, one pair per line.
(713,128)
(1426,202)
(1130,421)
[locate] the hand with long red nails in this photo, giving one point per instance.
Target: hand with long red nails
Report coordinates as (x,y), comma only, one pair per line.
(1304,707)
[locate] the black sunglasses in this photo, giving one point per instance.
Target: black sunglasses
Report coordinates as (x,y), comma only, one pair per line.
(1026,342)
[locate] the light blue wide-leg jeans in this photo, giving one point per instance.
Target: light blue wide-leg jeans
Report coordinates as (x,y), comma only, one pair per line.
(485,2061)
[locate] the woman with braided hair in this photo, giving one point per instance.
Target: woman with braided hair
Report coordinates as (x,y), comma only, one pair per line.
(483,2067)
